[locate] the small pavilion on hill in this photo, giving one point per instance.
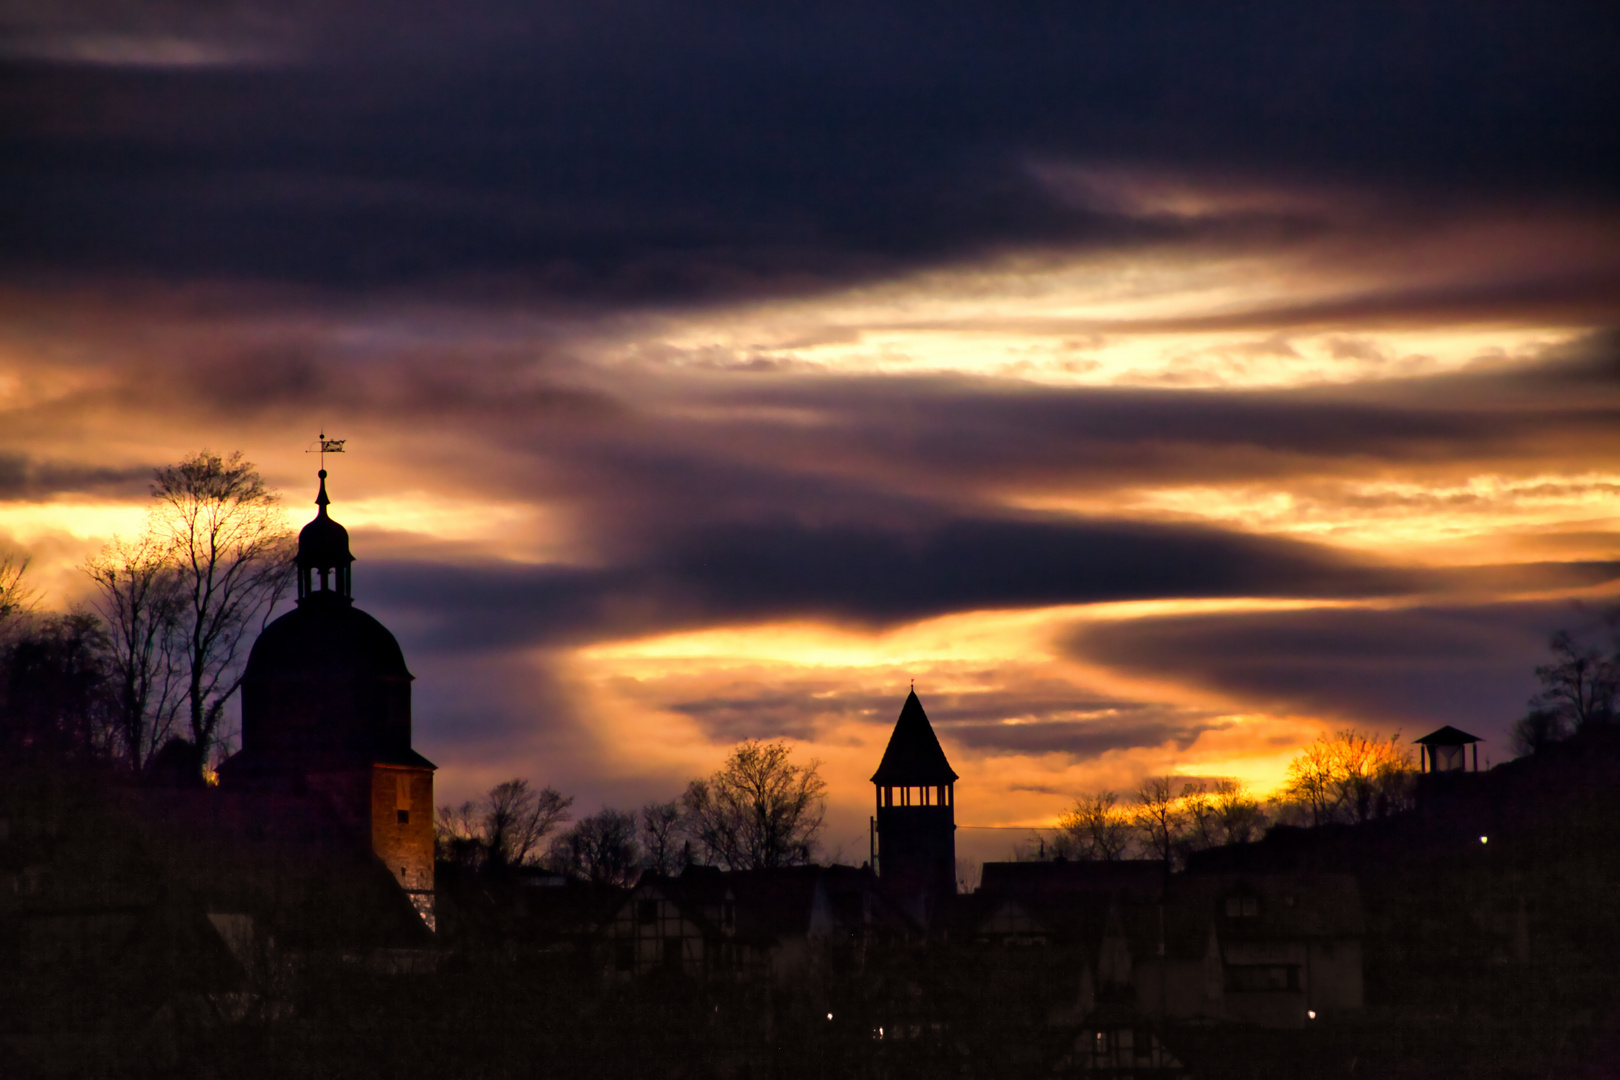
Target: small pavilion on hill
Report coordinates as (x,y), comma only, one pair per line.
(1446,750)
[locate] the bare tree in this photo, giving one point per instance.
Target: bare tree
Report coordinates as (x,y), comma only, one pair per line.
(17,597)
(1580,686)
(139,599)
(1310,781)
(517,818)
(1159,817)
(1097,828)
(1537,730)
(1353,776)
(1365,772)
(504,828)
(660,835)
(458,835)
(233,551)
(759,811)
(601,849)
(1201,816)
(1239,812)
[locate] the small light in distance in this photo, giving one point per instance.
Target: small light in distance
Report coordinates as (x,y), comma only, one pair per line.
(829,1016)
(1484,839)
(1310,1013)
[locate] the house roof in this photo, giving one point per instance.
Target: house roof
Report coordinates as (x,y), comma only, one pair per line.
(1047,880)
(793,901)
(914,755)
(1448,736)
(287,860)
(1303,905)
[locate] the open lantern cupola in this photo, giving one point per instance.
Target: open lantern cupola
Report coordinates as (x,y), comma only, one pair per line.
(323,555)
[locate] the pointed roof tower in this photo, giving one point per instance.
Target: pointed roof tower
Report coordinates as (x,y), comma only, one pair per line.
(914,756)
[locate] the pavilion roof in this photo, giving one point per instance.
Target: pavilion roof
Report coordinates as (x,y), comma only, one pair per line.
(1448,736)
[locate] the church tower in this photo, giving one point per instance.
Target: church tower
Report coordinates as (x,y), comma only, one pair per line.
(326,709)
(916,814)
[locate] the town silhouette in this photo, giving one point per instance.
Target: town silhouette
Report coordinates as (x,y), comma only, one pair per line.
(309,909)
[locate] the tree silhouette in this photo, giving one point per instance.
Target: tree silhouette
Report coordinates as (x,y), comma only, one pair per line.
(1239,813)
(601,849)
(1537,730)
(1351,775)
(233,552)
(1580,686)
(759,811)
(139,598)
(1159,817)
(16,595)
(659,832)
(505,828)
(56,696)
(1098,828)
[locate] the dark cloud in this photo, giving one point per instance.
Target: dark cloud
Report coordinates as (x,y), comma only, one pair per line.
(26,478)
(1025,715)
(961,434)
(1084,739)
(865,575)
(629,151)
(1469,666)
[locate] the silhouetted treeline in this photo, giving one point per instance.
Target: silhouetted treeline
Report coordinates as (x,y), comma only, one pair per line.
(159,655)
(760,810)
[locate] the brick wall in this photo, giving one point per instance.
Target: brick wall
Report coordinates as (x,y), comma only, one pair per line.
(402,824)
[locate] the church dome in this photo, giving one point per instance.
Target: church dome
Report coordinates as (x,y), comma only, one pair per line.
(326,682)
(323,639)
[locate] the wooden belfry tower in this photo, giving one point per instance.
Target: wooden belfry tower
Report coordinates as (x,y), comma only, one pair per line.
(326,709)
(916,813)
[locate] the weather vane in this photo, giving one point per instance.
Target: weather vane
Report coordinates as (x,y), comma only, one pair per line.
(328,446)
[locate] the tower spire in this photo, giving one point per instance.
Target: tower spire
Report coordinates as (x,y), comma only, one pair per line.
(323,550)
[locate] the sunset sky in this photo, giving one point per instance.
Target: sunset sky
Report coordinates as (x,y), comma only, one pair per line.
(1156,385)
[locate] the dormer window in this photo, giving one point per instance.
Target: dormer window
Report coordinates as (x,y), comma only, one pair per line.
(1242,905)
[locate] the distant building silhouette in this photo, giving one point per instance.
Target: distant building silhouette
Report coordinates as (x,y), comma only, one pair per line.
(760,926)
(916,815)
(326,709)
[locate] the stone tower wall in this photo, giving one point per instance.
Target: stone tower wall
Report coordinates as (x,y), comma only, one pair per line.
(917,850)
(405,846)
